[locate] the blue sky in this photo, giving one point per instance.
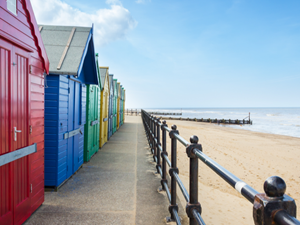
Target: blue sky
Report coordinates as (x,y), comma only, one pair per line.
(193,53)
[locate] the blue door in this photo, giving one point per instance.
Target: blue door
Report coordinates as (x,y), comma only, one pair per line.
(77,121)
(70,153)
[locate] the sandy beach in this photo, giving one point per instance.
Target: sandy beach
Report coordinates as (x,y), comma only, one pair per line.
(252,156)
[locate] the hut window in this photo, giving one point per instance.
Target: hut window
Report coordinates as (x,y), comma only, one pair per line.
(12,6)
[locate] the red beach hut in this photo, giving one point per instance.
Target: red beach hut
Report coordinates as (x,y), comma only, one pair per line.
(23,65)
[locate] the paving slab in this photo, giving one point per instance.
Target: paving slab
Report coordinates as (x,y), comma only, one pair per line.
(117,186)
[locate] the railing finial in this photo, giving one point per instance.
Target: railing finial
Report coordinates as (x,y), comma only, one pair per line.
(274,186)
(194,139)
(174,127)
(267,205)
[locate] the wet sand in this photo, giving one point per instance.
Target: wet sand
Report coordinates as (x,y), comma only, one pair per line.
(251,156)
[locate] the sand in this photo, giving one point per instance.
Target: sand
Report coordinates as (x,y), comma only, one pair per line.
(251,156)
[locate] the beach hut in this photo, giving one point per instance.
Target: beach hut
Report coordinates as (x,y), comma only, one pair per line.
(121,106)
(92,125)
(124,106)
(23,65)
(123,110)
(118,104)
(115,100)
(72,67)
(110,108)
(104,75)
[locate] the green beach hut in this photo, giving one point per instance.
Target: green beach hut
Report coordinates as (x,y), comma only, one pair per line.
(121,105)
(91,128)
(115,100)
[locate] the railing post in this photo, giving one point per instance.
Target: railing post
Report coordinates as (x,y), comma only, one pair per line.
(155,138)
(273,206)
(193,204)
(164,148)
(173,169)
(158,165)
(150,133)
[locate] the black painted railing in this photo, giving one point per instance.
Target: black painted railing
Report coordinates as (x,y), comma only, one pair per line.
(271,207)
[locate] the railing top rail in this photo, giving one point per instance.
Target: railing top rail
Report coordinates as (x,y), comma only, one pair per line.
(244,189)
(181,140)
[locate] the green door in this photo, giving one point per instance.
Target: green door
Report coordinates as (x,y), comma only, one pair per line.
(91,128)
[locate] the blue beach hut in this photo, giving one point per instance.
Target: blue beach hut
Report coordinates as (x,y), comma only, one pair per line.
(110,107)
(72,65)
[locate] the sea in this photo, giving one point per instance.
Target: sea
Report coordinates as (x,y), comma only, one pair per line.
(283,121)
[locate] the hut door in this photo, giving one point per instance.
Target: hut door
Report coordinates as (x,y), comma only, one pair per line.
(14,129)
(92,116)
(70,128)
(95,116)
(20,131)
(77,121)
(6,208)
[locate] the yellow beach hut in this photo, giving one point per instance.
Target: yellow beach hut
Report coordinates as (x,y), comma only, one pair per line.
(118,104)
(104,76)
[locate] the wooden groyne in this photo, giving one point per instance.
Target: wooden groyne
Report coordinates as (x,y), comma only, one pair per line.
(217,121)
(165,113)
(132,112)
(137,112)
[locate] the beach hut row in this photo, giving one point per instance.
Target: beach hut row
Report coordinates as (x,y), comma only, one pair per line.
(58,107)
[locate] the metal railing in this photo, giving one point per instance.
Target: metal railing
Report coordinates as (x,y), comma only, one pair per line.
(271,207)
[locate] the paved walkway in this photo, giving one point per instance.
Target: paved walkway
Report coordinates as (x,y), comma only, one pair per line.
(118,186)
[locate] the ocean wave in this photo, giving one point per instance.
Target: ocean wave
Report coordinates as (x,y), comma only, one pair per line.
(272,114)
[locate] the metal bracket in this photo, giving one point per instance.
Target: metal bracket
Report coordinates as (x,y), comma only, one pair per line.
(94,122)
(12,156)
(172,132)
(163,153)
(172,170)
(162,181)
(191,147)
(105,119)
(190,207)
(171,207)
(72,133)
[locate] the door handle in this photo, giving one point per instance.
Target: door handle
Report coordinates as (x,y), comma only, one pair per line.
(15,133)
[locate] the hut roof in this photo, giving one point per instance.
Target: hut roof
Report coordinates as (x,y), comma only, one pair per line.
(103,72)
(115,87)
(35,32)
(67,48)
(111,79)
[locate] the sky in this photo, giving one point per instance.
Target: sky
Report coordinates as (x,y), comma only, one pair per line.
(193,54)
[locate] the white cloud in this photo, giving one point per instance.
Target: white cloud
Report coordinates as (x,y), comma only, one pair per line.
(113,2)
(110,24)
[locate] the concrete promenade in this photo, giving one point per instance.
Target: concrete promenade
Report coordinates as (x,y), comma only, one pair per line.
(117,186)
